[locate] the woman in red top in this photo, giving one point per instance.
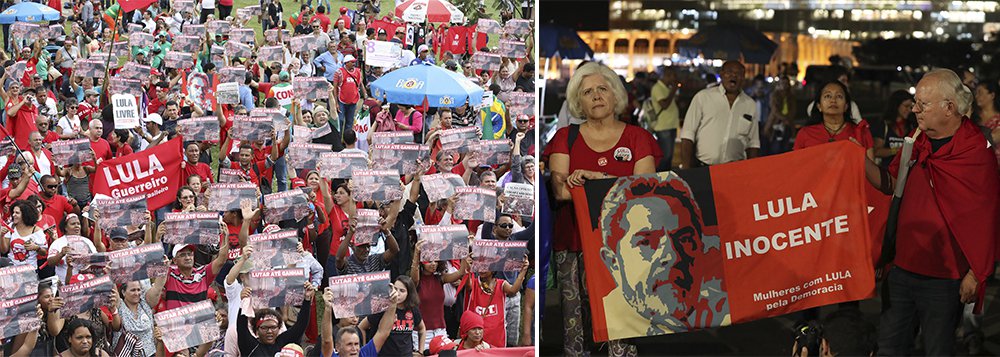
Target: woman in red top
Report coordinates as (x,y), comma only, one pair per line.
(429,278)
(830,121)
(604,147)
(339,206)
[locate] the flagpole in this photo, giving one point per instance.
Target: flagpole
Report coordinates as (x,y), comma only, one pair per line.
(19,152)
(107,64)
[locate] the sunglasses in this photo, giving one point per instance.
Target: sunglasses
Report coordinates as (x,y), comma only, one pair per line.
(51,186)
(506,225)
(522,120)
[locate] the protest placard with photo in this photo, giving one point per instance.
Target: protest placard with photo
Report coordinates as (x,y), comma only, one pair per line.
(441,186)
(229,196)
(191,228)
(193,30)
(360,294)
(23,31)
(476,203)
(86,295)
(186,43)
(182,5)
(400,157)
(492,152)
(443,242)
(367,228)
(188,326)
(19,315)
(235,49)
(459,139)
(277,249)
(489,26)
(341,165)
(217,56)
(512,49)
(382,53)
(139,263)
(231,176)
(218,27)
(119,49)
(301,133)
(231,74)
(241,35)
(199,129)
(498,255)
(376,185)
(311,88)
(133,70)
(243,14)
(106,59)
(279,122)
(71,152)
(302,43)
(16,70)
(140,39)
(133,28)
(277,288)
(121,212)
(227,93)
(56,31)
(17,281)
(178,60)
(251,128)
(486,61)
(86,262)
(518,27)
(121,85)
(271,53)
(518,198)
(8,147)
(272,35)
(304,156)
(90,68)
(518,98)
(392,137)
(291,204)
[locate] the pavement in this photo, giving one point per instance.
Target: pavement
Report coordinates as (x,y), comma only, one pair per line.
(768,337)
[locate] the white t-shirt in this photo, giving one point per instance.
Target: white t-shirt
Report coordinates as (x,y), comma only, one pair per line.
(208,4)
(58,244)
(18,254)
(43,163)
(70,125)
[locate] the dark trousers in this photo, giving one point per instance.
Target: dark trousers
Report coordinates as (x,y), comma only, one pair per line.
(666,140)
(913,300)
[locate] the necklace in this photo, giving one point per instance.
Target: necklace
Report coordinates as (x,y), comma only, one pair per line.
(833,132)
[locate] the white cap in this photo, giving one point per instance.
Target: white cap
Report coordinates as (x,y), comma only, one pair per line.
(156,118)
(422,48)
(349,58)
(178,248)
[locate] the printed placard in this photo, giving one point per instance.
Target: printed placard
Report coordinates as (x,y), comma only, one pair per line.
(271,54)
(131,27)
(17,281)
(512,49)
(476,203)
(19,316)
(303,43)
(517,110)
(392,137)
(367,228)
(376,185)
(518,98)
(339,165)
(126,111)
(121,212)
(272,35)
(231,74)
(85,262)
(277,288)
(518,198)
(17,69)
(231,176)
(140,39)
(90,68)
(191,228)
(278,120)
(399,157)
(125,86)
(8,148)
(498,255)
(382,53)
(489,26)
(486,61)
(360,294)
(230,196)
(443,242)
(199,129)
(301,133)
(251,128)
(178,60)
(242,35)
(518,27)
(182,5)
(459,139)
(492,152)
(188,326)
(139,263)
(441,186)
(186,43)
(311,88)
(227,93)
(24,31)
(86,295)
(55,31)
(194,30)
(71,152)
(105,58)
(278,249)
(291,204)
(236,49)
(132,70)
(305,156)
(243,14)
(218,27)
(119,49)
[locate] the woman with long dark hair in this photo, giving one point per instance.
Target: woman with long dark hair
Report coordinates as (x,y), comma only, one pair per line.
(830,120)
(81,340)
(430,277)
(408,321)
(988,110)
(889,130)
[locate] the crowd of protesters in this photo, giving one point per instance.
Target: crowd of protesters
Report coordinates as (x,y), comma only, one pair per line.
(433,306)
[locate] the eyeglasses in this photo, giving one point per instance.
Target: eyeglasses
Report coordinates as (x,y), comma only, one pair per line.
(269,328)
(187,197)
(70,107)
(506,225)
(920,106)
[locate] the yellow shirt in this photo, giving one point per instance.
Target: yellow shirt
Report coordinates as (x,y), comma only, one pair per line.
(668,118)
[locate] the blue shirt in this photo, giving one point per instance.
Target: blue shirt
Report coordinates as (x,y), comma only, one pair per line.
(330,65)
(368,350)
(246,97)
(428,61)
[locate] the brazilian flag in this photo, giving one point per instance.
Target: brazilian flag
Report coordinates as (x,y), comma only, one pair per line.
(494,120)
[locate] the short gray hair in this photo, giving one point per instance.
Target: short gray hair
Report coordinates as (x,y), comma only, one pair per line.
(952,88)
(591,68)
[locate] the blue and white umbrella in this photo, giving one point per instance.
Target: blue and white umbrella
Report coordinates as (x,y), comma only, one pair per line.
(28,12)
(438,86)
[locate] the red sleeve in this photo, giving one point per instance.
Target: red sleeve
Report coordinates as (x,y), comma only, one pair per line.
(865,135)
(67,208)
(264,88)
(558,145)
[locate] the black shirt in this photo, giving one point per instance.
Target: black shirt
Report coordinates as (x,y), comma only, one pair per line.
(400,341)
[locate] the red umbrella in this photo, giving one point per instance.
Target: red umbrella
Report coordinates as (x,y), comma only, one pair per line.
(429,10)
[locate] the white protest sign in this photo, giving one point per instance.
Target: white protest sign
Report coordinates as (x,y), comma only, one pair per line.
(126,112)
(382,53)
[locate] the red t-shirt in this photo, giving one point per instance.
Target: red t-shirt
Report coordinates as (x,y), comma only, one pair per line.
(182,290)
(86,111)
(23,123)
(201,169)
(123,150)
(431,301)
(102,149)
(347,21)
(50,137)
(634,144)
(816,134)
(491,307)
(324,21)
(347,83)
(233,237)
(338,224)
(57,207)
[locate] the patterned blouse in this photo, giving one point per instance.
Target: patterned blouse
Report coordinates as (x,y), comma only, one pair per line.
(140,324)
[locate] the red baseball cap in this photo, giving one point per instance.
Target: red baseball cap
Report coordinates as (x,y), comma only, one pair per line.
(441,343)
(298,183)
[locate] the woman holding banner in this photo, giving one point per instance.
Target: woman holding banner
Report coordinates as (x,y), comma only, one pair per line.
(831,121)
(601,147)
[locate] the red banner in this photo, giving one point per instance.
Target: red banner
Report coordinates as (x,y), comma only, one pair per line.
(675,252)
(155,172)
(498,352)
(129,5)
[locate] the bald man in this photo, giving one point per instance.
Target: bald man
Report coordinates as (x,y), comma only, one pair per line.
(101,147)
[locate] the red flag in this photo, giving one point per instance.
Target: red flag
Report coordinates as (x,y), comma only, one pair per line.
(155,172)
(129,5)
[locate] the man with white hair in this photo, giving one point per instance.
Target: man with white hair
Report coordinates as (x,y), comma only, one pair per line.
(946,234)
